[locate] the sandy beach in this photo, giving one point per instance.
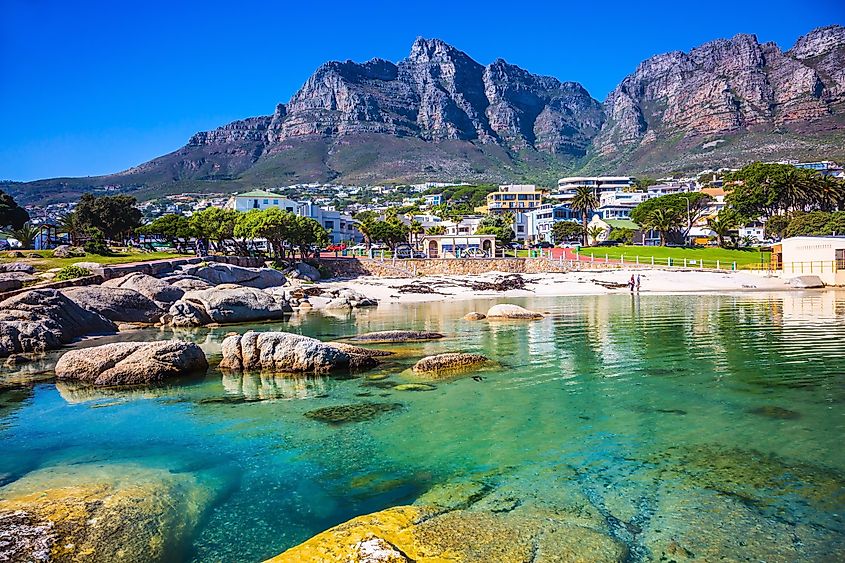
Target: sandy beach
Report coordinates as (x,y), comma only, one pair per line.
(655,281)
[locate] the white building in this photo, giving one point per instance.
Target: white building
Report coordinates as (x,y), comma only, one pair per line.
(340,227)
(755,230)
(537,225)
(566,187)
(618,205)
(817,256)
(658,190)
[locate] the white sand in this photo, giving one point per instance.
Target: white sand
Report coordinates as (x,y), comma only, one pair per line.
(555,285)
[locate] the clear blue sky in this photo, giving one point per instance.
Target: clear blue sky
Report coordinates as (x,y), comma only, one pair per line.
(95,87)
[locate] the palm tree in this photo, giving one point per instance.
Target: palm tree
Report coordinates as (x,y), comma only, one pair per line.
(663,220)
(593,233)
(25,235)
(584,201)
(721,224)
(366,227)
(415,229)
(70,224)
(435,230)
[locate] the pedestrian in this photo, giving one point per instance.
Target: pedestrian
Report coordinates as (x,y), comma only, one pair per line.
(631,283)
(638,283)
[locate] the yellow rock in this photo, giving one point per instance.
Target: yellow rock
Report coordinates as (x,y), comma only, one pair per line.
(99,513)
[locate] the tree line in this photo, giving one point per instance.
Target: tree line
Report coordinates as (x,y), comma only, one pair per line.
(285,232)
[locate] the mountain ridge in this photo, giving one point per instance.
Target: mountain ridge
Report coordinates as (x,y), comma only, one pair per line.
(440,115)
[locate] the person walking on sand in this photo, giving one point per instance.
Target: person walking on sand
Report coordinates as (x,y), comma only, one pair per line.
(638,283)
(631,283)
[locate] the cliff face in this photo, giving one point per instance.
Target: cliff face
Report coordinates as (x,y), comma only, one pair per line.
(723,88)
(440,115)
(438,93)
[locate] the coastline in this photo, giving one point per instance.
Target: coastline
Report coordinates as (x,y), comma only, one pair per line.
(653,281)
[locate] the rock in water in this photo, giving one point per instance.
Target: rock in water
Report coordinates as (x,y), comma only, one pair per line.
(216,274)
(509,311)
(115,513)
(419,533)
(388,336)
(115,303)
(453,361)
(43,319)
(234,304)
(287,352)
(131,363)
(352,413)
(153,288)
(350,349)
(475,316)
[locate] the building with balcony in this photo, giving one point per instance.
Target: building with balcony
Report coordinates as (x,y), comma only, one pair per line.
(566,187)
(537,225)
(618,205)
(515,198)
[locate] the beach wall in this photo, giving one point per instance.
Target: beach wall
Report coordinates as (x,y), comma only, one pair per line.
(352,267)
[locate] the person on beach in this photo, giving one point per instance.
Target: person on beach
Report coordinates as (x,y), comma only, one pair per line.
(631,283)
(638,283)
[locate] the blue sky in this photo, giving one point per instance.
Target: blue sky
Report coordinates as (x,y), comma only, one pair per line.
(90,87)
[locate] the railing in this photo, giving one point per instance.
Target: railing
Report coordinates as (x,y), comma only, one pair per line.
(814,267)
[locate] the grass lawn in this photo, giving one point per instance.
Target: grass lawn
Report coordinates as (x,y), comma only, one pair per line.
(48,261)
(743,258)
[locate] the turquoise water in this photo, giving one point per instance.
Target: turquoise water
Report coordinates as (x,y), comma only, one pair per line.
(716,418)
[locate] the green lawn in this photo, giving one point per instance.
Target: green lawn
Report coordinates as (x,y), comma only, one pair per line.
(743,258)
(48,261)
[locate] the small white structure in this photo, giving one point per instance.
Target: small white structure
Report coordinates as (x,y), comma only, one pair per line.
(820,256)
(453,246)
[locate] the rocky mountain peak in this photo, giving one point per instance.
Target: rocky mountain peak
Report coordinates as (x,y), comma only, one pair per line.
(819,42)
(431,50)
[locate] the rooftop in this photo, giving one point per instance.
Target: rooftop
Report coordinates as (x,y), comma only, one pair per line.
(259,193)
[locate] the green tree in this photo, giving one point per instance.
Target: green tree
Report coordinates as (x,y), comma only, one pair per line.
(215,225)
(391,232)
(172,227)
(688,207)
(415,229)
(272,224)
(584,201)
(72,226)
(308,235)
(436,230)
(500,225)
(11,214)
(723,223)
(816,223)
(25,234)
(776,225)
(115,216)
(663,220)
(594,233)
(765,190)
(564,231)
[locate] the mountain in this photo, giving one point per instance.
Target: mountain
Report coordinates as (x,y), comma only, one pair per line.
(440,115)
(728,102)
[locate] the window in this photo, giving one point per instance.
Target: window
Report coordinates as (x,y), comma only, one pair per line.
(289,209)
(255,204)
(329,224)
(275,202)
(266,201)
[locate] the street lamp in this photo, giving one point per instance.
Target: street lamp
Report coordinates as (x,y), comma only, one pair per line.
(689,216)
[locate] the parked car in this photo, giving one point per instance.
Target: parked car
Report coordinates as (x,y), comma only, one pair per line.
(4,245)
(474,253)
(542,244)
(335,248)
(407,251)
(516,246)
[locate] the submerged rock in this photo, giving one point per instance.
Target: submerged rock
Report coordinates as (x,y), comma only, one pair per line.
(780,413)
(414,387)
(509,311)
(44,319)
(350,349)
(420,534)
(352,413)
(452,361)
(99,513)
(131,363)
(115,303)
(388,336)
(287,352)
(475,316)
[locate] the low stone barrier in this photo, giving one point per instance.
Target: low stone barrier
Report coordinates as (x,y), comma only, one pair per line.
(76,282)
(408,268)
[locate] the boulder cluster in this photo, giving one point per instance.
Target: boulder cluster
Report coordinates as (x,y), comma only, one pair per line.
(193,295)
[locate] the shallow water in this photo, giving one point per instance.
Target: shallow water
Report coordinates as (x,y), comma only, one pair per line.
(716,417)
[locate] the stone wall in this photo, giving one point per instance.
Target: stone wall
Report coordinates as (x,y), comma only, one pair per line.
(351,267)
(160,267)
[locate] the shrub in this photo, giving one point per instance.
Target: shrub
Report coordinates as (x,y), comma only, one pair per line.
(95,244)
(71,273)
